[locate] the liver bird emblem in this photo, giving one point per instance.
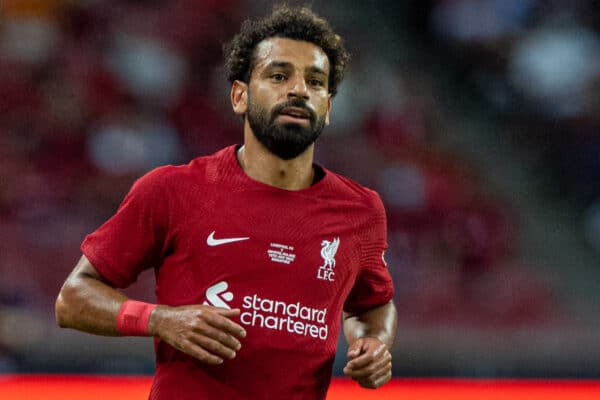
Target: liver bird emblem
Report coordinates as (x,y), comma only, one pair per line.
(328,250)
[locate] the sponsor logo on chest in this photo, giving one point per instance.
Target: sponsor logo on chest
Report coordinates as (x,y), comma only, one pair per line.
(295,318)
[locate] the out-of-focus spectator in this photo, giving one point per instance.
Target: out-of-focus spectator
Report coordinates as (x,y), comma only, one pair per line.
(472,21)
(29,32)
(149,70)
(554,67)
(131,142)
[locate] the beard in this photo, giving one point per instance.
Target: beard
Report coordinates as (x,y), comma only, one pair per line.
(287,140)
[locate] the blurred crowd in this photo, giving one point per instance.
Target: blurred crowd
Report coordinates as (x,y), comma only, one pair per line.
(94,93)
(536,64)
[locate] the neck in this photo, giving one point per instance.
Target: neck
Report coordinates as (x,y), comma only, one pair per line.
(263,166)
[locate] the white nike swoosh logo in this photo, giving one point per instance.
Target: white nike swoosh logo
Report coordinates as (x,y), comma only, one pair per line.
(211,241)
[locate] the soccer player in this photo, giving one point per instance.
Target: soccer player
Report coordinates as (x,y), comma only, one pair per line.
(260,255)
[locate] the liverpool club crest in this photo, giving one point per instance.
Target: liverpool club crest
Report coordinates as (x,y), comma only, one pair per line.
(328,250)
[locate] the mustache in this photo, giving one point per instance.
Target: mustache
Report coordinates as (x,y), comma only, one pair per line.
(298,103)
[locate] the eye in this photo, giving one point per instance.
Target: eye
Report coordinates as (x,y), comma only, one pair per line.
(315,82)
(279,77)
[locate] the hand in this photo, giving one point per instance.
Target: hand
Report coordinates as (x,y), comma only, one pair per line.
(369,362)
(204,332)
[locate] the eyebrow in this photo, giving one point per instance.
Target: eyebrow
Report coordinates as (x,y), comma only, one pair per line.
(287,65)
(279,64)
(315,70)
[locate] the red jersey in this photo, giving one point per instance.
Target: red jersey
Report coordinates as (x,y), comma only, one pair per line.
(290,260)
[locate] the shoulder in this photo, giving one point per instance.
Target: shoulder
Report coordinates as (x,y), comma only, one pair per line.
(159,178)
(351,190)
(199,170)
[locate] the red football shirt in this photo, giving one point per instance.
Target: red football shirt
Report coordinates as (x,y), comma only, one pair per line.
(290,260)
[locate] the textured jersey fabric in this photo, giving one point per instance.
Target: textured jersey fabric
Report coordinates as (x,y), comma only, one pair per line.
(290,260)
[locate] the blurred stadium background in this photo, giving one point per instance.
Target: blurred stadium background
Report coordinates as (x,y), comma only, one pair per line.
(477,120)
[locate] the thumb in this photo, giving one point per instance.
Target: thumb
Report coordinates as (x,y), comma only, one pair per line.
(355,349)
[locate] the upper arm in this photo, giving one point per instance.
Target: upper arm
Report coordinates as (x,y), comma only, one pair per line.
(84,269)
(135,237)
(87,301)
(81,277)
(373,286)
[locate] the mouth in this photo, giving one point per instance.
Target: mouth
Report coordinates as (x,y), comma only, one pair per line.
(295,113)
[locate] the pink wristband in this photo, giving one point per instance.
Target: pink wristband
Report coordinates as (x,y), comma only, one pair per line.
(133,318)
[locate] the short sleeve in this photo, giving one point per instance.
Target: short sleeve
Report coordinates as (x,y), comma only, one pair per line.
(373,286)
(132,240)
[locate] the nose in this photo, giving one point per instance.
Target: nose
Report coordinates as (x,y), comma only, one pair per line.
(298,89)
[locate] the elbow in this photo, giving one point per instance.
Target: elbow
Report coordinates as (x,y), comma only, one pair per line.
(60,311)
(62,308)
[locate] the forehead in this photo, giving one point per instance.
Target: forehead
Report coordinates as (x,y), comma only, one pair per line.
(297,52)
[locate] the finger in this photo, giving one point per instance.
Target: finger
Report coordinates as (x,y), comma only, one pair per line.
(222,337)
(212,346)
(376,378)
(198,352)
(226,312)
(368,369)
(383,379)
(376,373)
(375,382)
(217,320)
(367,357)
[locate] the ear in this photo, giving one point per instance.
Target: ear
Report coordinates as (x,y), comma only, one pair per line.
(328,109)
(239,97)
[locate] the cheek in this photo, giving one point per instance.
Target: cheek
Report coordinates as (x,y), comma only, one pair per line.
(265,99)
(322,107)
(267,92)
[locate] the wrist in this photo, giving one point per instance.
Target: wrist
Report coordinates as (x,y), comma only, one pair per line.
(156,318)
(382,337)
(133,318)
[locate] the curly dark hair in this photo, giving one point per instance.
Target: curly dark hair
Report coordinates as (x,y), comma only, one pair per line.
(299,23)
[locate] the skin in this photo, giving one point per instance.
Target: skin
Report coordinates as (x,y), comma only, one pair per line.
(284,69)
(370,336)
(88,303)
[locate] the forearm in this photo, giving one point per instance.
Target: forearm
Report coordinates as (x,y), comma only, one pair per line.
(379,322)
(87,303)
